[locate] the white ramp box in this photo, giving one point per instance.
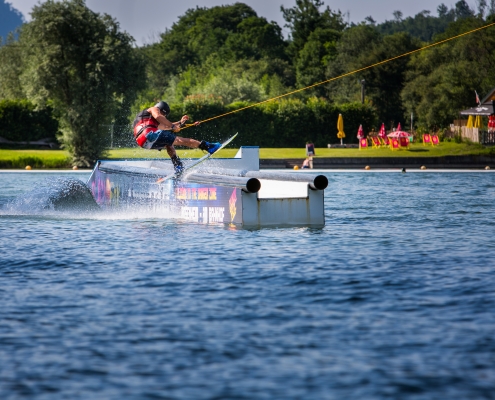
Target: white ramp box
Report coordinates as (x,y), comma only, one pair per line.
(221,190)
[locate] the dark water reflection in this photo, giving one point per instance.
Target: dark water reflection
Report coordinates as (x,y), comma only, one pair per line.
(394,298)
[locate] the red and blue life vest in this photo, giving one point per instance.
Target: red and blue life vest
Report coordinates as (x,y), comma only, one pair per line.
(143,124)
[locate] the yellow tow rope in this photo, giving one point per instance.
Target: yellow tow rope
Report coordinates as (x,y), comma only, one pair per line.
(343,75)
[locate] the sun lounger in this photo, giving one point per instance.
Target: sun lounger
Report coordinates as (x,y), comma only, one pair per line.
(404,142)
(363,143)
(375,141)
(426,139)
(435,140)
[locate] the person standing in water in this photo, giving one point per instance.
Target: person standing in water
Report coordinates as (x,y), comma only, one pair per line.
(153,131)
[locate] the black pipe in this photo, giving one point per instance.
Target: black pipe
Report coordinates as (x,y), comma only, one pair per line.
(316,182)
(320,182)
(250,185)
(253,185)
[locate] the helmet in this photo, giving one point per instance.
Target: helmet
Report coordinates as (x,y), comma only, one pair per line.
(163,107)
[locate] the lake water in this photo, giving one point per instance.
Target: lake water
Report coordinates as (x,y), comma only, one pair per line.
(393,299)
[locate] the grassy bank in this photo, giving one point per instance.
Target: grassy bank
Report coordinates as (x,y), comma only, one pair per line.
(39,159)
(48,159)
(416,150)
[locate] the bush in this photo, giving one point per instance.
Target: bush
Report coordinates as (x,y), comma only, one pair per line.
(20,122)
(282,123)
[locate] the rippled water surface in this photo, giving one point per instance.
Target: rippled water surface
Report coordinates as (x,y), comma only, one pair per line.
(392,299)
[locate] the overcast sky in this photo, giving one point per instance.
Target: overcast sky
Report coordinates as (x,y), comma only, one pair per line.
(145,19)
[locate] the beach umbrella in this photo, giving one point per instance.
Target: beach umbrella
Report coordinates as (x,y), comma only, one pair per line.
(340,127)
(399,133)
(477,121)
(360,133)
(470,122)
(382,132)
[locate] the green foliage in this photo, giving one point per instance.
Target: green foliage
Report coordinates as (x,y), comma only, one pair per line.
(11,62)
(216,60)
(305,18)
(21,122)
(201,107)
(213,38)
(422,26)
(425,27)
(81,62)
(284,123)
(462,10)
(441,81)
(313,58)
(231,89)
(362,46)
(353,46)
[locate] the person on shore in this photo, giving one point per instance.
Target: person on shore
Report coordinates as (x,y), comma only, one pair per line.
(153,131)
(310,149)
(305,163)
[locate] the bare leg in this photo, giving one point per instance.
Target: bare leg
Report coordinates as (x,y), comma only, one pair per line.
(171,151)
(180,141)
(178,166)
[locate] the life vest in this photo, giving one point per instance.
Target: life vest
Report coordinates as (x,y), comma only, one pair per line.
(143,124)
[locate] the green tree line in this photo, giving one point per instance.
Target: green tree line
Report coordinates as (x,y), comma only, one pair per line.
(90,73)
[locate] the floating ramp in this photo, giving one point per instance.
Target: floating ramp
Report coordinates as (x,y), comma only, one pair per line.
(221,190)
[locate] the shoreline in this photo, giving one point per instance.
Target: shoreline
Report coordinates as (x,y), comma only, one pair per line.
(347,163)
(445,162)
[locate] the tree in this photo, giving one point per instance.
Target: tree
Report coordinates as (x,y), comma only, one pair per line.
(255,39)
(442,10)
(20,122)
(422,26)
(398,15)
(482,5)
(82,64)
(305,18)
(243,80)
(11,63)
(369,19)
(314,57)
(363,46)
(462,10)
(441,81)
(491,8)
(205,40)
(354,43)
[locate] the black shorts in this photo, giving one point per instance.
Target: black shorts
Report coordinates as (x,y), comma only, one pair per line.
(159,139)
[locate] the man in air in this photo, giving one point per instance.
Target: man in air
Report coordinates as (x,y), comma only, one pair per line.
(153,131)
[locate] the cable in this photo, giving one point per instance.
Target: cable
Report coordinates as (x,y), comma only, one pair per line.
(344,75)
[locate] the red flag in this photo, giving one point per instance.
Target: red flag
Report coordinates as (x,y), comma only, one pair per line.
(477,98)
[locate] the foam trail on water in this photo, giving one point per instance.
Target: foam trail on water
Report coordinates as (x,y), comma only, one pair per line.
(71,198)
(54,196)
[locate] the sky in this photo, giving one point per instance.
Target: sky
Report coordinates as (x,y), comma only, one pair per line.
(146,19)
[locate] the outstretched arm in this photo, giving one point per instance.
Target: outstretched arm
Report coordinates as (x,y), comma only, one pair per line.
(164,123)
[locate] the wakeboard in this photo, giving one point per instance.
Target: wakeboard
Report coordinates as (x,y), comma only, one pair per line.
(194,164)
